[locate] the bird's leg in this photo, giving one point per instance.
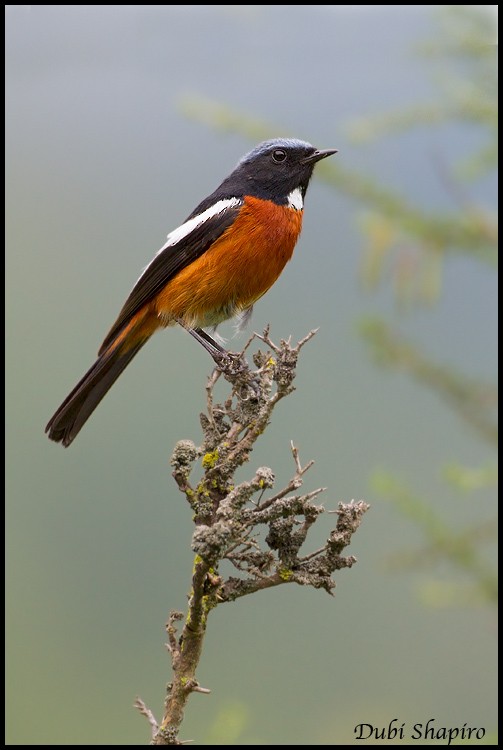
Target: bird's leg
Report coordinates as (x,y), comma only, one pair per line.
(225,360)
(230,364)
(208,342)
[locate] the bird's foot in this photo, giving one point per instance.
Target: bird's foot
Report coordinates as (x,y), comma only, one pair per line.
(236,370)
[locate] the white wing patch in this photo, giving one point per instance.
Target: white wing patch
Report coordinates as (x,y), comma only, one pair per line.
(295,199)
(185,229)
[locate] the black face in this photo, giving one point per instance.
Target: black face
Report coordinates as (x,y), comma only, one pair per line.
(272,171)
(275,168)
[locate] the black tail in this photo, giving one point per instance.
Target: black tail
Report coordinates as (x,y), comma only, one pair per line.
(78,406)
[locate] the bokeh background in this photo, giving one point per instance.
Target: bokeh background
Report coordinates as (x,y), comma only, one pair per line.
(119,121)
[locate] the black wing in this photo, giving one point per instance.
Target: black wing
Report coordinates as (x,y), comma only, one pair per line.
(170,260)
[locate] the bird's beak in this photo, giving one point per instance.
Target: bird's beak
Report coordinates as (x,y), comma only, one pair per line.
(318,155)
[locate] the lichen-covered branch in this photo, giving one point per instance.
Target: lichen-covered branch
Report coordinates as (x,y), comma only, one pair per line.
(259,538)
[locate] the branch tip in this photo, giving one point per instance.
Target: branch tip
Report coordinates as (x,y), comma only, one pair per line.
(199,689)
(142,708)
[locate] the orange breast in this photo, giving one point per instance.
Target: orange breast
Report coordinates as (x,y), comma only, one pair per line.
(238,269)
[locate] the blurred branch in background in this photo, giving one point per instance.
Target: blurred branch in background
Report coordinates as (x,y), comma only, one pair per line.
(411,244)
(232,517)
(474,401)
(464,49)
(460,548)
(467,82)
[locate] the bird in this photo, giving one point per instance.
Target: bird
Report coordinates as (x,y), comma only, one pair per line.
(226,254)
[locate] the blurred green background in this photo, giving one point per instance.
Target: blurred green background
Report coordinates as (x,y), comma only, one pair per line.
(119,121)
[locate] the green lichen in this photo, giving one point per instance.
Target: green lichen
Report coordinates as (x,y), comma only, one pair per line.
(285,574)
(210,459)
(202,490)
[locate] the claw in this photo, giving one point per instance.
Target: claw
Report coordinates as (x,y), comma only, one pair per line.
(235,368)
(229,363)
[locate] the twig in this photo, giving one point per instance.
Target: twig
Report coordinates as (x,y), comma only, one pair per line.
(142,708)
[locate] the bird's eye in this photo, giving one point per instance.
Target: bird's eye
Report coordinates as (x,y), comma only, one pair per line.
(278,155)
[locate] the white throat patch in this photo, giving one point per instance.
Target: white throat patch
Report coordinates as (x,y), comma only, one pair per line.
(295,199)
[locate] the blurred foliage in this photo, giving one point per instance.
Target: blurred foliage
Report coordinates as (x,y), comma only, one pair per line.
(474,400)
(467,80)
(461,548)
(229,725)
(467,93)
(410,244)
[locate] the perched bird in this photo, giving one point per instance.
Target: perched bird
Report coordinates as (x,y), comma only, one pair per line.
(214,266)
